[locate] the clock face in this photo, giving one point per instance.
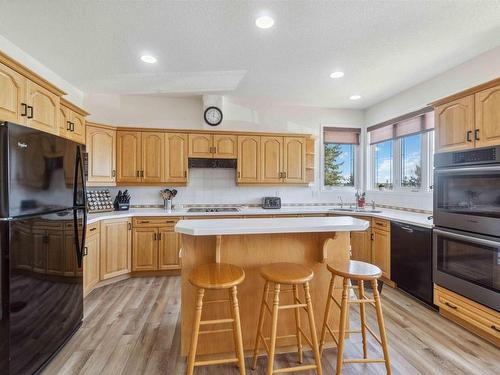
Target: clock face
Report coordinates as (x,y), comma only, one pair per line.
(213,116)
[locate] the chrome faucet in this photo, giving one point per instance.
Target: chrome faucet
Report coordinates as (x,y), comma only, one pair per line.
(341,202)
(373,205)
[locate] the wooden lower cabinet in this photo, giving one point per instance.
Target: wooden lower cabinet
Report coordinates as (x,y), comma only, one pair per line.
(381,251)
(116,248)
(361,244)
(145,249)
(471,315)
(91,262)
(168,251)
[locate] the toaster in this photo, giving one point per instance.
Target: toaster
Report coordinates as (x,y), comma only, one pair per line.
(271,202)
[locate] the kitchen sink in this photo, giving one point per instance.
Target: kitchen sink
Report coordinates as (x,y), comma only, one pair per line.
(343,209)
(355,210)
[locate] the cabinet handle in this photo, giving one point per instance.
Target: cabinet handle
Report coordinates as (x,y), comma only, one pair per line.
(154,236)
(113,173)
(142,173)
(159,236)
(494,327)
(284,174)
(476,134)
(68,126)
(137,174)
(469,133)
(379,223)
(372,237)
(72,126)
(92,229)
(85,251)
(30,111)
(129,225)
(185,173)
(239,174)
(144,221)
(451,305)
(24,107)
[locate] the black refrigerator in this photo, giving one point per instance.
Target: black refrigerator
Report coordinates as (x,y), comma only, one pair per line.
(42,239)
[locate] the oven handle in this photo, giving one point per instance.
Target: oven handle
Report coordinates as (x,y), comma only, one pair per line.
(472,169)
(457,236)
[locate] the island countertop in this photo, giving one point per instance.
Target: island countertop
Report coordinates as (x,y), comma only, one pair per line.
(218,227)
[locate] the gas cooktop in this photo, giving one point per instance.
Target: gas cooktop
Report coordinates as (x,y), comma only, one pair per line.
(213,209)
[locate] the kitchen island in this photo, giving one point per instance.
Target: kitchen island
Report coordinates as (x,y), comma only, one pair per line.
(250,244)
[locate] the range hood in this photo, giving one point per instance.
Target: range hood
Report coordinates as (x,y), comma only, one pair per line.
(212,163)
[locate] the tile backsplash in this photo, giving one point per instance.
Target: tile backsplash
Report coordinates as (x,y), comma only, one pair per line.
(218,186)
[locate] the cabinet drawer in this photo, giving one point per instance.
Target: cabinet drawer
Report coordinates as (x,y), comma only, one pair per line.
(480,319)
(93,229)
(154,222)
(381,224)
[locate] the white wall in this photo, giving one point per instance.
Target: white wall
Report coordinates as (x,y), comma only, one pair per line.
(75,95)
(218,185)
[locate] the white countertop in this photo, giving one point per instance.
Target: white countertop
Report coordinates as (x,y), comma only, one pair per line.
(395,215)
(213,227)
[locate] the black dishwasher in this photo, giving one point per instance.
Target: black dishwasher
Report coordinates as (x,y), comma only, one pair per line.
(411,260)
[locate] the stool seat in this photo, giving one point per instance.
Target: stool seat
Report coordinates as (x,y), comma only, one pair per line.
(217,276)
(286,273)
(353,269)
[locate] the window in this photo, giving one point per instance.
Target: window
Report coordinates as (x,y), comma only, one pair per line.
(340,146)
(402,152)
(383,162)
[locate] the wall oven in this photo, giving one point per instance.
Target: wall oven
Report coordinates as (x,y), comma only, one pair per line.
(466,237)
(467,190)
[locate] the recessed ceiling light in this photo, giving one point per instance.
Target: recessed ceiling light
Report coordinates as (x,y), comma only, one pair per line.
(148,59)
(337,75)
(355,97)
(264,22)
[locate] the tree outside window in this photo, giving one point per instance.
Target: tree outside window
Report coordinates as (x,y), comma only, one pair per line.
(339,164)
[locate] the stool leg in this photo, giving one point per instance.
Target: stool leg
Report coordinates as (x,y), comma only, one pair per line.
(260,325)
(274,329)
(312,327)
(381,326)
(297,323)
(196,329)
(327,313)
(362,315)
(238,341)
(343,318)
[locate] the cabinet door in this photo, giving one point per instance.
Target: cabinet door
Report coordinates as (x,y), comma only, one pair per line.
(44,114)
(128,156)
(145,249)
(55,241)
(91,264)
(200,146)
(12,94)
(488,117)
(169,247)
(454,124)
(361,244)
(176,157)
(225,146)
(271,159)
(64,122)
(116,245)
(381,251)
(248,159)
(294,160)
(153,157)
(78,127)
(101,148)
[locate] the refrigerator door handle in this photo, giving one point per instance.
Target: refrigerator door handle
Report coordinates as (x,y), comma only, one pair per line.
(78,176)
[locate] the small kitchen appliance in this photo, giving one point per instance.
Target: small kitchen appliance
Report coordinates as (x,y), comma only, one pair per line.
(271,202)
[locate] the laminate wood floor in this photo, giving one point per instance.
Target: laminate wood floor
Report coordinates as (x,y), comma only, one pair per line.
(133,327)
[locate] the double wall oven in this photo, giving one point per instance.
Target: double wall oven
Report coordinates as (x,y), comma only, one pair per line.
(466,238)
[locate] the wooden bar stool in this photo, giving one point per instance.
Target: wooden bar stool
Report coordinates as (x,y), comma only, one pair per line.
(216,276)
(294,275)
(361,272)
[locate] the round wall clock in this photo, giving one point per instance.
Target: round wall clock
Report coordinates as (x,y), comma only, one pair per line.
(213,116)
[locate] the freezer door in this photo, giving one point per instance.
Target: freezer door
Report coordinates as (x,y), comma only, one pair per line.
(41,171)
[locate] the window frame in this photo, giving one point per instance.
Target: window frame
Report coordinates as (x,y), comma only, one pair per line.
(357,169)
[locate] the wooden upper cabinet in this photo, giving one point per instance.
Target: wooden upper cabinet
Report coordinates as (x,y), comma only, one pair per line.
(12,95)
(78,127)
(225,146)
(153,157)
(128,156)
(64,122)
(271,159)
(101,148)
(116,247)
(43,108)
(454,125)
(145,249)
(248,159)
(200,145)
(294,160)
(488,117)
(176,157)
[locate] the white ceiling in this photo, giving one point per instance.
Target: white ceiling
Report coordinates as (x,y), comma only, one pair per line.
(383,47)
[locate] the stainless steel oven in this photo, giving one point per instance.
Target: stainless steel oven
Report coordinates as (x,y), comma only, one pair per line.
(468,264)
(467,190)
